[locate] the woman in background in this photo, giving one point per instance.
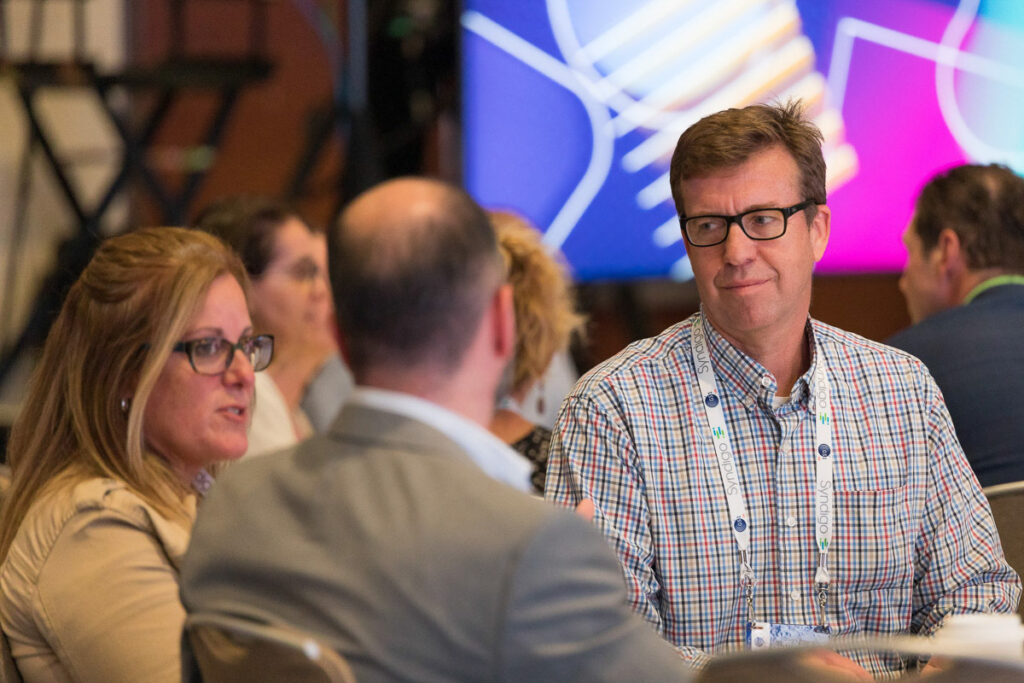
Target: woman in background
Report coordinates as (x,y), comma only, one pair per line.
(139,392)
(285,260)
(545,321)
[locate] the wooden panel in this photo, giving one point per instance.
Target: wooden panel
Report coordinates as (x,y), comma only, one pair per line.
(870,305)
(266,133)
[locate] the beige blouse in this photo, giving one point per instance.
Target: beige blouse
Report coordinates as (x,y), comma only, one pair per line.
(89,589)
(273,426)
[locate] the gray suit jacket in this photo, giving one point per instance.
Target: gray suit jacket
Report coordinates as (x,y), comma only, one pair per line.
(387,542)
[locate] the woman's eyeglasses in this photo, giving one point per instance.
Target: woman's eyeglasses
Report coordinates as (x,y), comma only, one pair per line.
(213,355)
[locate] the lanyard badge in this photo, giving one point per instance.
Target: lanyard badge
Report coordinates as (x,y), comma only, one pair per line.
(824,497)
(824,508)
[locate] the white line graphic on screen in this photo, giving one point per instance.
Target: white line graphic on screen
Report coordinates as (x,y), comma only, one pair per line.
(948,58)
(945,69)
(630,33)
(600,120)
(697,78)
(716,54)
(707,55)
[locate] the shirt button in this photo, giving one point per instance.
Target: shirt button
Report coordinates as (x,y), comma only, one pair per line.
(791,521)
(794,595)
(766,381)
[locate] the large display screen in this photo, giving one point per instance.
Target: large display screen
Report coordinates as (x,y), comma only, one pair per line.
(571,110)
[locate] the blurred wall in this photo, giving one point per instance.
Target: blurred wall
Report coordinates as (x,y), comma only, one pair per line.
(80,132)
(267,131)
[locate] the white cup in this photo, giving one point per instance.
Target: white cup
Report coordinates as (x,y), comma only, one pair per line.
(987,635)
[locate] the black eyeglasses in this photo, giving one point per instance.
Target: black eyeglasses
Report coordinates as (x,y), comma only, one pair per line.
(213,355)
(757,224)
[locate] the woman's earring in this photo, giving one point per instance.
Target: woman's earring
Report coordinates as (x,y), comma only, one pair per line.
(126,403)
(540,397)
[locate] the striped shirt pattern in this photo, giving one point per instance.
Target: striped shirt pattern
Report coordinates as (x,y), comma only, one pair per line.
(914,538)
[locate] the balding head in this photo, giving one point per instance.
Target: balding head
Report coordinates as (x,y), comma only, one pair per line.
(413,263)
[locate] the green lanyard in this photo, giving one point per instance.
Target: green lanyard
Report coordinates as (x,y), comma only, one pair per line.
(993,282)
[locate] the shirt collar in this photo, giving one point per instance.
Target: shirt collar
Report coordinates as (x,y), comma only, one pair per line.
(490,454)
(744,377)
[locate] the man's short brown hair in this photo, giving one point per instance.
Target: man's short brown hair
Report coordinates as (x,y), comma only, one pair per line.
(984,206)
(728,138)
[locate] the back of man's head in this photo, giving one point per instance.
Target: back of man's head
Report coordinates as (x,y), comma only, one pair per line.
(728,138)
(984,206)
(413,263)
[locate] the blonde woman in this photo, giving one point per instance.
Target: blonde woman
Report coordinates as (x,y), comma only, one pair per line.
(139,392)
(545,321)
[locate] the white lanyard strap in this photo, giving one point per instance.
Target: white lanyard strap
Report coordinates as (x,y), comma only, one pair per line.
(824,510)
(723,449)
(824,504)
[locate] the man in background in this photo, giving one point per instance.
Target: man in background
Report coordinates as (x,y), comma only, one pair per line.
(764,477)
(404,538)
(964,285)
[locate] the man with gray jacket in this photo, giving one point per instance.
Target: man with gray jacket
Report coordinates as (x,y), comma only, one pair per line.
(404,537)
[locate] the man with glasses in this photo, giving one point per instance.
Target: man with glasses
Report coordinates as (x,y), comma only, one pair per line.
(766,478)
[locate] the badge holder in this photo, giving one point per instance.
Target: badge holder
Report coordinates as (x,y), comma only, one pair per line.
(762,635)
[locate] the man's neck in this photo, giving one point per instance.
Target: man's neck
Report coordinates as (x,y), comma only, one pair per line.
(784,352)
(441,390)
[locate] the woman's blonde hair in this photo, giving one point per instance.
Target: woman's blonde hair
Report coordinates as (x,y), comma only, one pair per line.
(546,316)
(114,333)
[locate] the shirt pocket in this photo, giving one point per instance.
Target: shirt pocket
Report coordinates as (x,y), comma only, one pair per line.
(868,468)
(871,549)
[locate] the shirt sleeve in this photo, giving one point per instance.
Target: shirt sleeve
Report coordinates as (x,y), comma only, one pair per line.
(108,601)
(959,562)
(593,457)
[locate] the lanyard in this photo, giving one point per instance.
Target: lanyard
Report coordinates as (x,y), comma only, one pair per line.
(996,281)
(824,509)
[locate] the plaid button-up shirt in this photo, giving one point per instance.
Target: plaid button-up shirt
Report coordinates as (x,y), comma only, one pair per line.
(914,538)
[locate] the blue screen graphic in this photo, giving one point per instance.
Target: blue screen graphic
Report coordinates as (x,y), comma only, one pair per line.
(571,110)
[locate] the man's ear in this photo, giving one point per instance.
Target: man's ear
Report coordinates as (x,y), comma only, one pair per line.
(950,254)
(504,321)
(821,228)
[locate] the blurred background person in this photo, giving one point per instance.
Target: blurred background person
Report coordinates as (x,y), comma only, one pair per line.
(140,390)
(546,319)
(964,286)
(333,382)
(285,259)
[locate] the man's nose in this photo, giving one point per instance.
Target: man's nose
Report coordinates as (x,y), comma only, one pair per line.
(738,247)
